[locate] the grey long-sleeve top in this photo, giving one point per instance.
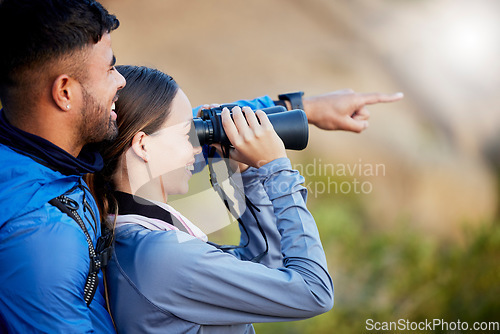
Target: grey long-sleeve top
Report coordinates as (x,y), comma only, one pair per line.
(171,282)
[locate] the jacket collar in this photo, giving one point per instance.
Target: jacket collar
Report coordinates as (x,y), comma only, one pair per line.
(46,153)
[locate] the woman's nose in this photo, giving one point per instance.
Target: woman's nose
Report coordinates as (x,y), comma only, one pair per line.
(197,149)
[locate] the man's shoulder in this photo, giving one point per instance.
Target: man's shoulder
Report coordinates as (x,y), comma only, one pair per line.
(17,164)
(8,152)
(47,225)
(26,186)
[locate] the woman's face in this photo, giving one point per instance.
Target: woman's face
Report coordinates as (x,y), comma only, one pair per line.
(171,154)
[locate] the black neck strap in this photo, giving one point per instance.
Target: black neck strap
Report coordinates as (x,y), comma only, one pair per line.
(129,204)
(230,205)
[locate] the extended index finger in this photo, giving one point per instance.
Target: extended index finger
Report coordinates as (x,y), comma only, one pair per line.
(372,98)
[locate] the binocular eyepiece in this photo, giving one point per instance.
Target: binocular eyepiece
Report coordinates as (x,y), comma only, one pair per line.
(290,125)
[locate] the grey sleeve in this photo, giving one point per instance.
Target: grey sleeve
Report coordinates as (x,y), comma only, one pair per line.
(211,287)
(256,194)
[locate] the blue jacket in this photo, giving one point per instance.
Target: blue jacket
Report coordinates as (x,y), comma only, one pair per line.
(44,256)
(169,281)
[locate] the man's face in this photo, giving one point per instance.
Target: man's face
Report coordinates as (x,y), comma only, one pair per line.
(99,93)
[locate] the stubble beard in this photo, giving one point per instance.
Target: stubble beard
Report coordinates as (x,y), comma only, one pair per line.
(94,127)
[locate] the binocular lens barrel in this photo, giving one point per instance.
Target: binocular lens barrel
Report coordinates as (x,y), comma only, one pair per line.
(291,126)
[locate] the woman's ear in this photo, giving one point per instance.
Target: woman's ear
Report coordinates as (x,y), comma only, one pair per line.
(63,92)
(139,145)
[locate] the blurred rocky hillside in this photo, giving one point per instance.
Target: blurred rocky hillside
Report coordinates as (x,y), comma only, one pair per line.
(443,54)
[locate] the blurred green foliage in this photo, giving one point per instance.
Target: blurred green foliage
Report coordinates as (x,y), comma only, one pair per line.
(402,273)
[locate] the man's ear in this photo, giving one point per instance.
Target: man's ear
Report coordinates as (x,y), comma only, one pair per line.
(139,145)
(63,92)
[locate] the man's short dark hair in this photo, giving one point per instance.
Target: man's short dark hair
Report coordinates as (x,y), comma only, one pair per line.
(34,32)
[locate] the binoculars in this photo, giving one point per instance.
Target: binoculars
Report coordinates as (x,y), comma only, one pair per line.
(290,125)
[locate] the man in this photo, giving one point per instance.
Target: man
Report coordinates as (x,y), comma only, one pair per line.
(58,86)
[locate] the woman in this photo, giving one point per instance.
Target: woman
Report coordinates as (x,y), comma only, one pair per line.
(163,276)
